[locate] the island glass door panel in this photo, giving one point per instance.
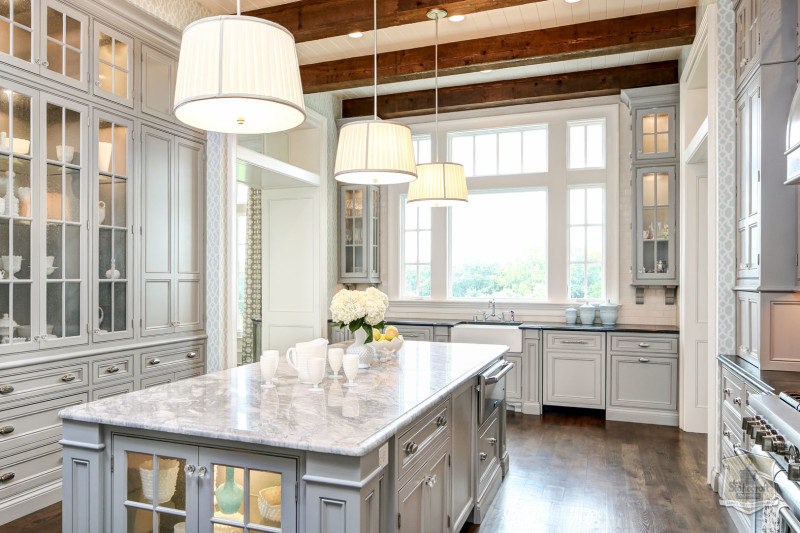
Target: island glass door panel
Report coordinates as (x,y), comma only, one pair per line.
(153,486)
(18,211)
(247,492)
(63,44)
(18,23)
(112,211)
(64,246)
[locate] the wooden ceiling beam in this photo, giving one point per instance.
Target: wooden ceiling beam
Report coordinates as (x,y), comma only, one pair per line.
(311,20)
(580,84)
(648,31)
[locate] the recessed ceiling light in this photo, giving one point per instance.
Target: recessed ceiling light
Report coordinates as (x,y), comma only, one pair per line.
(456,18)
(484,71)
(355,35)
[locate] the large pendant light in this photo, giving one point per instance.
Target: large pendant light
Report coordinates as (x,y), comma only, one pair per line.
(238,75)
(438,184)
(375,151)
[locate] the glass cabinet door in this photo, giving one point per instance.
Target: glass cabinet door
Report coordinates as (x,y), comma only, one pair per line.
(154,487)
(64,246)
(17,24)
(354,204)
(18,205)
(656,223)
(247,493)
(62,44)
(655,130)
(111,215)
(374,234)
(113,59)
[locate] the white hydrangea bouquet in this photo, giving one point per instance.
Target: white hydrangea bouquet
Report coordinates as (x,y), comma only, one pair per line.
(359,310)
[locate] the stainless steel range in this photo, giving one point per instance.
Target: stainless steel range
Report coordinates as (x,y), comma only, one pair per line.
(775,432)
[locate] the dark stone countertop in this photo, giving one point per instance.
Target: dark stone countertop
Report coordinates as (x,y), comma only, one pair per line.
(774,381)
(619,328)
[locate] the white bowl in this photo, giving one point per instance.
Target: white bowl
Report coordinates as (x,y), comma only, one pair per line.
(270,512)
(5,261)
(389,346)
(167,479)
(65,153)
(20,146)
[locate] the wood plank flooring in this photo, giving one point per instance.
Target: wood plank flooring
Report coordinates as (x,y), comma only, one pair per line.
(573,472)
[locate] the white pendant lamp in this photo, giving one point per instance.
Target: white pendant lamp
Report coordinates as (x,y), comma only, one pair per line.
(238,75)
(438,184)
(375,151)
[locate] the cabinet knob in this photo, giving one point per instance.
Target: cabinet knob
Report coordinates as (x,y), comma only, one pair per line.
(727,391)
(644,360)
(98,83)
(483,456)
(189,469)
(66,378)
(155,361)
(112,369)
(201,471)
(411,448)
(727,434)
(492,441)
(430,480)
(441,421)
(7,389)
(644,345)
(191,355)
(5,430)
(737,401)
(45,64)
(8,476)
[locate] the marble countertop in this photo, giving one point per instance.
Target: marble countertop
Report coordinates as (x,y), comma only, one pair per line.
(232,405)
(774,381)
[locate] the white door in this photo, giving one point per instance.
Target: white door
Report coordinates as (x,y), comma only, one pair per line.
(292,267)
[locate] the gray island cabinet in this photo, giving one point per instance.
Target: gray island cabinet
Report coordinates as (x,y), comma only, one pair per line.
(417,445)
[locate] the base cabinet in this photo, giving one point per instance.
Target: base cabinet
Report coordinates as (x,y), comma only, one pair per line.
(423,500)
(574,369)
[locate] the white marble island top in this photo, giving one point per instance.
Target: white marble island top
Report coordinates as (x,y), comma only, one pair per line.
(231,404)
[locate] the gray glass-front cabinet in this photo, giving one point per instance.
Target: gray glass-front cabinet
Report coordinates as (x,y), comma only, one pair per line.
(157,486)
(654,226)
(359,237)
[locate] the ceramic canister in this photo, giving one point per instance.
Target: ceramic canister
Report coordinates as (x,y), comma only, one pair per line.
(572,315)
(608,313)
(587,314)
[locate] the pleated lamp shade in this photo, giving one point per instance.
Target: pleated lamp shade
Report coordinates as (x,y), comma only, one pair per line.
(438,185)
(375,152)
(238,75)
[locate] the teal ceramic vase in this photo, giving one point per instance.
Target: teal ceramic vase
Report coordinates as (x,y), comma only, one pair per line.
(230,494)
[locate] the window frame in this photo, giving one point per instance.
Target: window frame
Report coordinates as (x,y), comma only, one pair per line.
(585,123)
(473,133)
(403,262)
(585,226)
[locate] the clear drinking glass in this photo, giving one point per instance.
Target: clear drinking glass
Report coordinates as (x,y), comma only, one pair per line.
(335,356)
(316,371)
(269,365)
(350,363)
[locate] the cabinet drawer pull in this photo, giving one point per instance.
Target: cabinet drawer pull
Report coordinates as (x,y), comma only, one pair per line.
(644,345)
(411,448)
(112,369)
(8,476)
(574,342)
(737,401)
(155,361)
(66,378)
(644,360)
(441,421)
(191,355)
(492,441)
(5,430)
(430,480)
(8,389)
(483,456)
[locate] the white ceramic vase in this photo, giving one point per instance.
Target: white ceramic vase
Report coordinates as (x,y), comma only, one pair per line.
(365,352)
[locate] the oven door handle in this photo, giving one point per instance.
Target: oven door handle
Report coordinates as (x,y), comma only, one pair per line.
(505,369)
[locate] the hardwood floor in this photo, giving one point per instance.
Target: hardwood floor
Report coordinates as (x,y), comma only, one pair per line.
(574,472)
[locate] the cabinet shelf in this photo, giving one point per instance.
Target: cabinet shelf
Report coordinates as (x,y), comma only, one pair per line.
(697,149)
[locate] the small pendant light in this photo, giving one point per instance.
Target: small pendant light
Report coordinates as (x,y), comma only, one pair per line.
(438,184)
(375,151)
(238,75)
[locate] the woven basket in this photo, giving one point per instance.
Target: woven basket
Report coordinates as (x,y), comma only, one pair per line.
(167,479)
(270,512)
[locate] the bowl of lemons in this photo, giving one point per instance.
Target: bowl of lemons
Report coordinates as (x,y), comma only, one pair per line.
(388,342)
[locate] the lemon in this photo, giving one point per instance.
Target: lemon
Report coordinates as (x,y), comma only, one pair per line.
(376,335)
(391,333)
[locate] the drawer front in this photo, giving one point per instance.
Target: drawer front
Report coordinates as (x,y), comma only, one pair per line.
(488,451)
(155,381)
(644,344)
(112,390)
(44,381)
(570,341)
(420,440)
(644,382)
(732,433)
(191,373)
(21,426)
(30,469)
(732,390)
(416,333)
(173,360)
(111,369)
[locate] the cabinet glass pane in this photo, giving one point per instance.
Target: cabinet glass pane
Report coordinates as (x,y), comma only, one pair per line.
(5,36)
(64,44)
(662,143)
(265,498)
(21,43)
(137,483)
(649,190)
(648,144)
(140,520)
(663,188)
(348,231)
(663,123)
(167,522)
(54,310)
(229,493)
(121,83)
(105,74)
(55,24)
(358,203)
(358,231)
(120,306)
(649,123)
(22,12)
(113,65)
(221,528)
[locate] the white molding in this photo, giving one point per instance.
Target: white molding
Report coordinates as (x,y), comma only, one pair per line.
(666,418)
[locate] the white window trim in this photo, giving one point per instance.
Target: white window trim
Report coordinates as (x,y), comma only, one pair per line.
(587,122)
(403,264)
(497,131)
(556,115)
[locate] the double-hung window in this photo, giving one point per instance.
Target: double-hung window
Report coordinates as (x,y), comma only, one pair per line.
(586,242)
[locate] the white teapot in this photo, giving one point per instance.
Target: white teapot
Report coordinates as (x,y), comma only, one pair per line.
(298,356)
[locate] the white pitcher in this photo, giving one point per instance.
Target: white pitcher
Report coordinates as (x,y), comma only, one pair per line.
(298,356)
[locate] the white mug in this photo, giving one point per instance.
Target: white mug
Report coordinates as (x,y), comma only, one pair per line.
(298,356)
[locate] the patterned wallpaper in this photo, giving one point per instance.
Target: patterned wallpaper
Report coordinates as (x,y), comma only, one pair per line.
(726,179)
(177,13)
(216,250)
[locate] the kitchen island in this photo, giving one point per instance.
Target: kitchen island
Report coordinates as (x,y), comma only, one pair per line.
(417,444)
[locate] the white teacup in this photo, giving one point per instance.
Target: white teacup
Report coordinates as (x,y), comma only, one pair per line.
(298,356)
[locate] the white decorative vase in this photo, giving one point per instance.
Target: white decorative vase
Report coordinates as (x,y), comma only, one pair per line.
(364,352)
